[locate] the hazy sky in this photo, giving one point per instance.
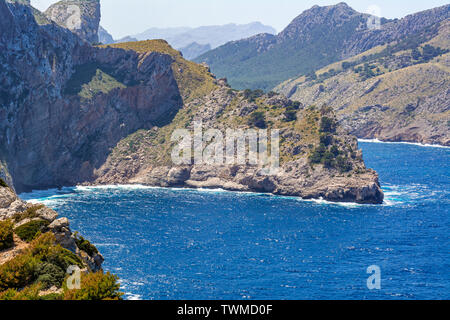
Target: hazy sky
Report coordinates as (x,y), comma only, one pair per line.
(126,17)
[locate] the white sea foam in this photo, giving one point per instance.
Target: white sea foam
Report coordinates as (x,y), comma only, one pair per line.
(408,143)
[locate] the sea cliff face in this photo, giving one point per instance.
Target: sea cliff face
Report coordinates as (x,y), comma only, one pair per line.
(64,104)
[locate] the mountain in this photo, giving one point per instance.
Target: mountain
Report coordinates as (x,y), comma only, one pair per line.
(194,50)
(395,92)
(74,113)
(214,36)
(316,38)
(104,37)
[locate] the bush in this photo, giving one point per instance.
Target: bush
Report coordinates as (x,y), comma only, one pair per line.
(3,183)
(252,95)
(326,139)
(290,115)
(318,153)
(257,119)
(49,275)
(6,234)
(30,230)
(343,164)
(85,245)
(95,286)
(17,273)
(328,125)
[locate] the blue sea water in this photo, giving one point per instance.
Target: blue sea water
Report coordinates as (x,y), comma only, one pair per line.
(211,244)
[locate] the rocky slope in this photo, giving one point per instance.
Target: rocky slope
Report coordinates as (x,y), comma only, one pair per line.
(82,17)
(398,92)
(316,38)
(36,248)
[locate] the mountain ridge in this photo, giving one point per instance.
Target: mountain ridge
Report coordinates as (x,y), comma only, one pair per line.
(317,37)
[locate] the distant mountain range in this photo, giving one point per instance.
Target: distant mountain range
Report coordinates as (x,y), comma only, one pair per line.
(192,42)
(316,38)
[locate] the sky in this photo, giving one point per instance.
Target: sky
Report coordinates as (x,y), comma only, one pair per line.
(127,17)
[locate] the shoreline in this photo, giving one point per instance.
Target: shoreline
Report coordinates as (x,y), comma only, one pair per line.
(404,142)
(82,188)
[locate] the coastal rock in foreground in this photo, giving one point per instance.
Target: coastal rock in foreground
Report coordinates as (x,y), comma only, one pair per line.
(36,250)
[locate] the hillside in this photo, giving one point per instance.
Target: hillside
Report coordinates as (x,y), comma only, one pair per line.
(396,92)
(316,38)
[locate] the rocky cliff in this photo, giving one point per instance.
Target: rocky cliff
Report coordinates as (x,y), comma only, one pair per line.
(82,17)
(65,104)
(395,92)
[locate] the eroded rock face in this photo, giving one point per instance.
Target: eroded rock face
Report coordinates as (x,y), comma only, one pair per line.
(82,17)
(54,130)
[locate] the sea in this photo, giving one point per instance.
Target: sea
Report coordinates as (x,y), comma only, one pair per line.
(183,244)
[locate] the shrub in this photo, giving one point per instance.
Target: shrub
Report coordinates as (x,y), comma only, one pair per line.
(290,115)
(49,275)
(257,119)
(343,164)
(28,293)
(17,273)
(318,153)
(326,139)
(30,230)
(85,245)
(3,183)
(328,159)
(95,286)
(6,234)
(252,95)
(327,125)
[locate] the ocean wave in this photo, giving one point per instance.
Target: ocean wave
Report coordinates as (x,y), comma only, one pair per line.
(408,143)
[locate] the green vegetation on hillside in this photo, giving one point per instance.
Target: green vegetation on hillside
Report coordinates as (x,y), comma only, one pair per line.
(43,265)
(6,234)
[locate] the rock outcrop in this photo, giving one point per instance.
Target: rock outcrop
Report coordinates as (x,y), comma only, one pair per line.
(82,17)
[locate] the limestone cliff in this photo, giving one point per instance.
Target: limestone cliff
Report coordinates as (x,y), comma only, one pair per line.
(82,17)
(64,104)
